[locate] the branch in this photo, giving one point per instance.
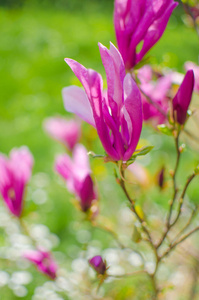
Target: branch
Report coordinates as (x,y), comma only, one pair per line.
(182,198)
(168,225)
(172,246)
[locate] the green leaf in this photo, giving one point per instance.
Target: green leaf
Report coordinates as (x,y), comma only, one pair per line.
(143,151)
(164,129)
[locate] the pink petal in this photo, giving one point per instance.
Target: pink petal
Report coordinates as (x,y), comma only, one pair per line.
(76,101)
(133,106)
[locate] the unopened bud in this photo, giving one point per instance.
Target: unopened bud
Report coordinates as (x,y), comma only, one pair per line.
(98,264)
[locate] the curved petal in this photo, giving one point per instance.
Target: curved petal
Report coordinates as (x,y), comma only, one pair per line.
(76,101)
(115,73)
(133,107)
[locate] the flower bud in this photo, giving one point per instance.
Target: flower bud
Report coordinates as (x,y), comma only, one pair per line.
(98,264)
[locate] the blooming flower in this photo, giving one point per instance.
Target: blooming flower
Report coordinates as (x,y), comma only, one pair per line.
(98,264)
(15,172)
(137,22)
(65,131)
(191,66)
(77,172)
(43,260)
(117,114)
(157,91)
(182,98)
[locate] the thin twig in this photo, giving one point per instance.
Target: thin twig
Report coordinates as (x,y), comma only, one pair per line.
(182,198)
(168,225)
(186,226)
(172,246)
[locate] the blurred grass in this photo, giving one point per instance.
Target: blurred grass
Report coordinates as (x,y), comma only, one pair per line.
(33,44)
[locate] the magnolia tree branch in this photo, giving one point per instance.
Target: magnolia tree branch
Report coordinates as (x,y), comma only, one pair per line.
(187,224)
(168,224)
(182,198)
(173,245)
(149,238)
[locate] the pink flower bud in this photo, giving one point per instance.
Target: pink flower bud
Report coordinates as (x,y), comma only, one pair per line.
(182,98)
(98,264)
(44,262)
(76,172)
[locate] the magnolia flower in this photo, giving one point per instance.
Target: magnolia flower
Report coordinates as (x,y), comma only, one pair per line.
(157,91)
(65,131)
(182,98)
(98,264)
(117,114)
(137,22)
(44,262)
(15,173)
(191,66)
(76,172)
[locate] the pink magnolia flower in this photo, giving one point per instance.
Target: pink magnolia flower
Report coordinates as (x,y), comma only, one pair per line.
(65,131)
(44,262)
(76,172)
(191,66)
(140,21)
(98,264)
(157,91)
(182,98)
(15,173)
(117,114)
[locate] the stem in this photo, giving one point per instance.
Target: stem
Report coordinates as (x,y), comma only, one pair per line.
(187,225)
(182,198)
(144,228)
(174,180)
(132,202)
(172,246)
(168,224)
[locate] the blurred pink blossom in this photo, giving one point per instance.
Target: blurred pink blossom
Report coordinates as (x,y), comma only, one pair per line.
(137,22)
(117,116)
(66,131)
(43,260)
(15,173)
(139,174)
(157,91)
(76,172)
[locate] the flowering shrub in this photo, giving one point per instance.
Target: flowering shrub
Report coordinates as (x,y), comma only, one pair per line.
(135,222)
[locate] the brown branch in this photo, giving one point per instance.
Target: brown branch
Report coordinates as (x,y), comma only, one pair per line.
(168,224)
(182,198)
(172,246)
